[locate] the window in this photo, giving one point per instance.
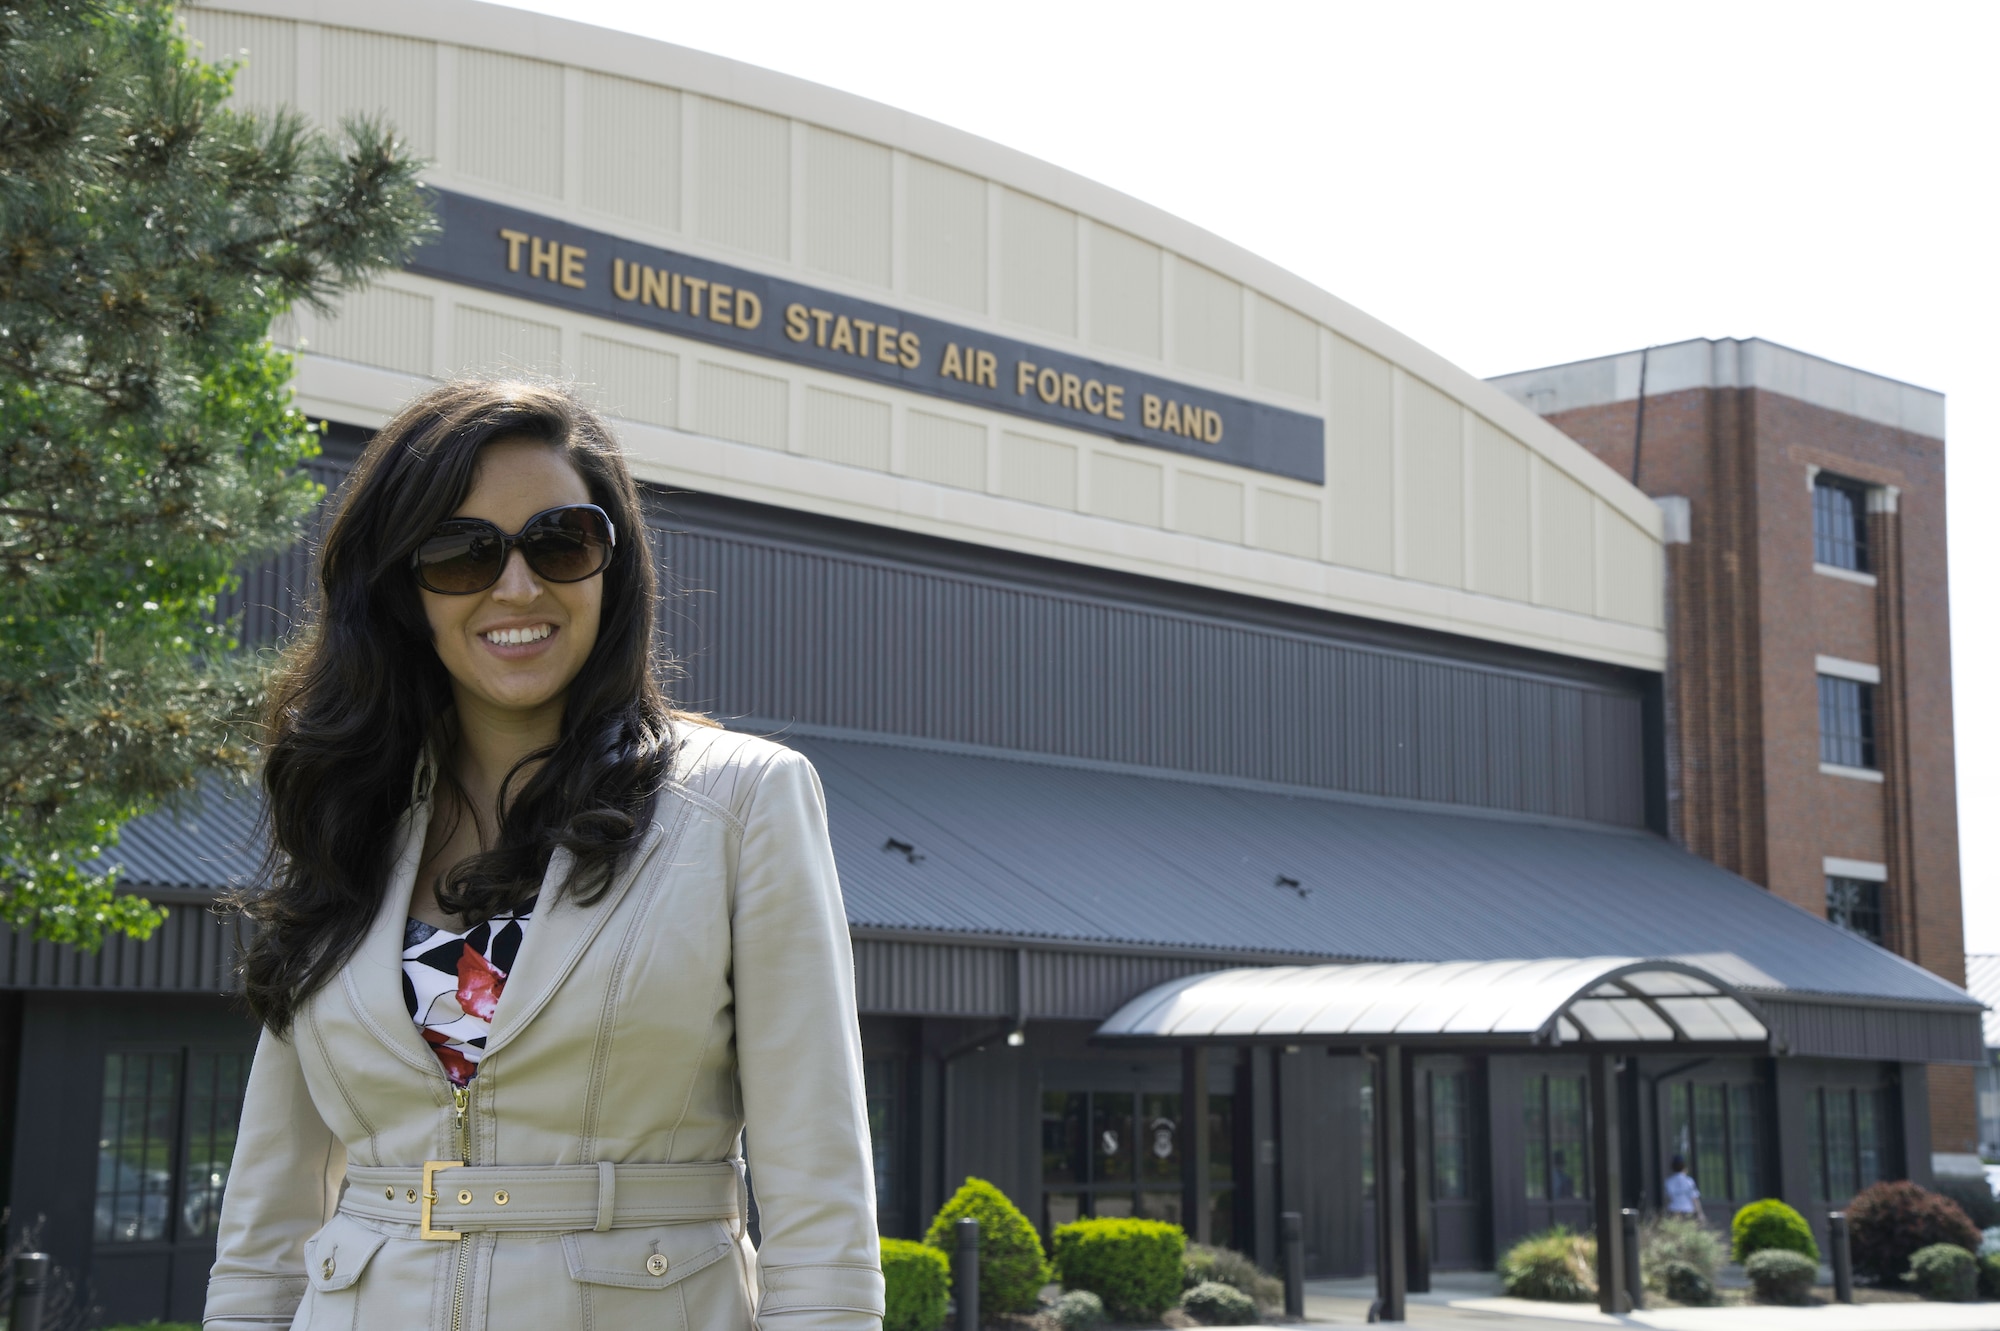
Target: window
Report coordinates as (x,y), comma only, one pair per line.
(1451,1136)
(1847,1139)
(882,1080)
(1714,1127)
(1552,1119)
(1840,523)
(1855,904)
(1846,722)
(1118,1153)
(166,1132)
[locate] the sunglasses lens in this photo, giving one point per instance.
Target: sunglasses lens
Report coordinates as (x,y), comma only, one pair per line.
(457,561)
(568,545)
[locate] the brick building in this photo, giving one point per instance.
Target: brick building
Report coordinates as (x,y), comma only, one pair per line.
(1809,676)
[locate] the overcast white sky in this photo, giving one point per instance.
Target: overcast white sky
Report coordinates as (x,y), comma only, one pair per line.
(1523,184)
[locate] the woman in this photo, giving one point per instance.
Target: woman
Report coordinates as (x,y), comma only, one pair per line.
(534,948)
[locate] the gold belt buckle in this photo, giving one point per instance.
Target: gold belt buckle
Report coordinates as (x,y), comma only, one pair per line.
(431,1168)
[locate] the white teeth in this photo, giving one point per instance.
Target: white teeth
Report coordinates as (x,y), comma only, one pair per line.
(513,637)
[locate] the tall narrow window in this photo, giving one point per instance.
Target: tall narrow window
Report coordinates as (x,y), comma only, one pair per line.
(1855,904)
(1840,523)
(1846,722)
(135,1147)
(1451,1136)
(881,1082)
(1555,1131)
(215,1103)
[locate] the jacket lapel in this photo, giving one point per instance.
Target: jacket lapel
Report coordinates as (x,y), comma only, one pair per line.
(374,977)
(558,935)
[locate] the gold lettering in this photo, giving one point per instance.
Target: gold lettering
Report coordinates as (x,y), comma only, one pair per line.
(885,345)
(542,259)
(1114,401)
(1048,386)
(864,328)
(1072,392)
(619,286)
(695,286)
(843,335)
(911,353)
(655,288)
(1093,397)
(1171,422)
(1024,374)
(797,326)
(677,293)
(821,318)
(749,309)
(987,371)
(718,302)
(1149,410)
(572,265)
(953,368)
(515,240)
(1211,427)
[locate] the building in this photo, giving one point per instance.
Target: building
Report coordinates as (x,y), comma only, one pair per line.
(1810,667)
(1222,701)
(1982,981)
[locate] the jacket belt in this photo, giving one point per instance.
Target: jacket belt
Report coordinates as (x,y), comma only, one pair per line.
(475,1198)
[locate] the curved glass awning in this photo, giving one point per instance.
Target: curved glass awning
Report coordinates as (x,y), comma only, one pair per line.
(1539,1003)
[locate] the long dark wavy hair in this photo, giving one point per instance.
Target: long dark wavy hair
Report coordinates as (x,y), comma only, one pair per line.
(361,692)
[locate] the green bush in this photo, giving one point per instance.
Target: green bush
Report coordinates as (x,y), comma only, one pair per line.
(1945,1272)
(1229,1267)
(1213,1303)
(1973,1196)
(1684,1283)
(1555,1265)
(1989,1276)
(1677,1239)
(1780,1275)
(917,1276)
(1133,1265)
(1762,1226)
(1079,1310)
(1888,1223)
(1012,1269)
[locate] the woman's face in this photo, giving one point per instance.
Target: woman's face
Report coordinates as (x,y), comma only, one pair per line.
(516,478)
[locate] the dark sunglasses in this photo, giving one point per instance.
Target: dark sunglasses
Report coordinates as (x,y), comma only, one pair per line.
(467,555)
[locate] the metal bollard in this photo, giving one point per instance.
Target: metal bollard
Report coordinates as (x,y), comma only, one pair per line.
(31,1287)
(1293,1228)
(965,1275)
(1843,1256)
(1635,1283)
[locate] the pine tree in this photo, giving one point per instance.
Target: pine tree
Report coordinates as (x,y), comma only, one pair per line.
(149,236)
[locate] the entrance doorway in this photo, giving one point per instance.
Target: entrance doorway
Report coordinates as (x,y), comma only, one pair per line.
(1453,1159)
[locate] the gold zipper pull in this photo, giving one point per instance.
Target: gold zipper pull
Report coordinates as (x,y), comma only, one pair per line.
(461,1097)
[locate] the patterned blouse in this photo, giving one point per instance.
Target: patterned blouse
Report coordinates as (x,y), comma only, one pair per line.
(452,982)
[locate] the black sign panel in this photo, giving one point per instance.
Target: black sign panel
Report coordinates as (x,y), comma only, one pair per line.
(540,258)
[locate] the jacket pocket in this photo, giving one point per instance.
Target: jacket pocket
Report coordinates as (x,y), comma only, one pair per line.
(335,1258)
(641,1277)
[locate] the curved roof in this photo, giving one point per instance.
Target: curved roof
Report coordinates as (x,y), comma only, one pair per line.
(1550,1001)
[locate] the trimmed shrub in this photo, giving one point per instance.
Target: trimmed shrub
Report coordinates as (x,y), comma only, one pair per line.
(1762,1226)
(1683,1282)
(1012,1269)
(917,1276)
(1943,1271)
(1889,1222)
(1213,1303)
(1229,1267)
(1780,1275)
(1555,1265)
(1974,1197)
(1133,1265)
(1078,1310)
(1989,1276)
(1668,1239)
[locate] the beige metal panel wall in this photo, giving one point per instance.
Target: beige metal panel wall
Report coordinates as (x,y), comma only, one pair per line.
(841,427)
(742,177)
(1037,264)
(1430,492)
(1287,523)
(267,48)
(510,122)
(1125,489)
(741,405)
(374,75)
(1208,320)
(381,326)
(1124,292)
(945,450)
(944,248)
(631,382)
(1286,347)
(495,342)
(1629,567)
(1040,471)
(1361,457)
(632,151)
(1565,542)
(1208,506)
(847,207)
(1502,542)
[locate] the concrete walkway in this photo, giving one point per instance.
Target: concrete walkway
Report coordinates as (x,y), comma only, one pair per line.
(1471,1302)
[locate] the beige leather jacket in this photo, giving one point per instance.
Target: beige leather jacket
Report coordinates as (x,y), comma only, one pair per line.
(712,987)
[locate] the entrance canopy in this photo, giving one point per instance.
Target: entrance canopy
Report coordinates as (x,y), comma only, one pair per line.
(1540,1003)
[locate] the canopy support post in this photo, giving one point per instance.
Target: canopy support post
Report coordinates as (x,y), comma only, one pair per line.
(1607,1190)
(1416,1181)
(1391,1223)
(1194,1144)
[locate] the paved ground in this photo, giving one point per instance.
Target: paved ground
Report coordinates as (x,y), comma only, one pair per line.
(1473,1303)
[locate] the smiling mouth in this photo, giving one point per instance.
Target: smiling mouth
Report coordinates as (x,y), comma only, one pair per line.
(516,637)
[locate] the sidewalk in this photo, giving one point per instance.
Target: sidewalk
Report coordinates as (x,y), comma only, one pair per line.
(1472,1302)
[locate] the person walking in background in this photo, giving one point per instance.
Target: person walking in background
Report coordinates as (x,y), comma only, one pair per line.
(1683,1196)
